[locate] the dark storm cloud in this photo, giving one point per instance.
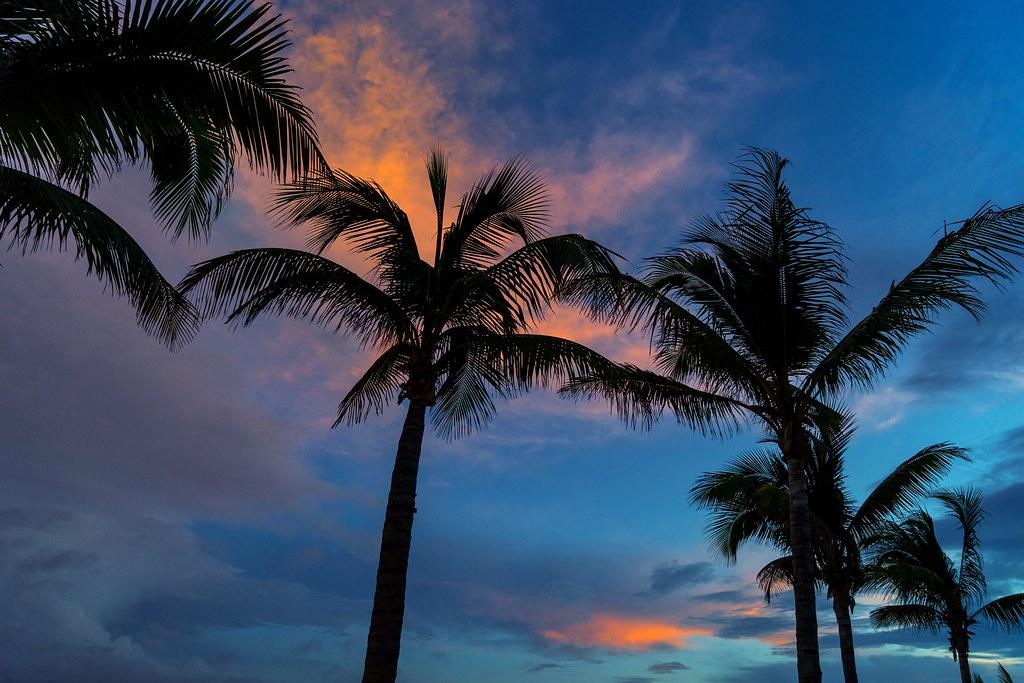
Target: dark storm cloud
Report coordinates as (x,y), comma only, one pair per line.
(671,577)
(667,667)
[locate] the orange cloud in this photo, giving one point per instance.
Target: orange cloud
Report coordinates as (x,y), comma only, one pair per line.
(625,633)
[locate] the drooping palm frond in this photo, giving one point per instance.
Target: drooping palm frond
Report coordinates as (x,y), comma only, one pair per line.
(245,284)
(904,486)
(1006,613)
(188,84)
(982,249)
(911,616)
(36,214)
(508,203)
(687,348)
(640,397)
(382,382)
(338,205)
(775,576)
(1003,674)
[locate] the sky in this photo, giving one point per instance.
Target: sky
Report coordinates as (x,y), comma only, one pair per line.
(191,516)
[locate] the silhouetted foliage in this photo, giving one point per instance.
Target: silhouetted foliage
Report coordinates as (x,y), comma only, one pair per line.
(748,319)
(452,334)
(934,593)
(187,86)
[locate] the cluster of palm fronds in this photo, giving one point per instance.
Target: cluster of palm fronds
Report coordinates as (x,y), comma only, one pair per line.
(748,317)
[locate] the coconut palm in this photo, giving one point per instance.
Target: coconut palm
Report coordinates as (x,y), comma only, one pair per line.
(934,593)
(749,501)
(451,333)
(748,319)
(187,86)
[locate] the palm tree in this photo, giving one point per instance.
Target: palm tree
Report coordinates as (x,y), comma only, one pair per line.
(933,592)
(749,501)
(748,319)
(452,332)
(186,86)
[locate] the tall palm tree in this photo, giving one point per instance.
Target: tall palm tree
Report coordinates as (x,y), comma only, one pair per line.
(934,593)
(186,86)
(749,501)
(748,318)
(451,332)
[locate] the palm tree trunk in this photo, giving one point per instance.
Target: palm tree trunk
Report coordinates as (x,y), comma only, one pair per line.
(807,662)
(965,666)
(385,637)
(841,606)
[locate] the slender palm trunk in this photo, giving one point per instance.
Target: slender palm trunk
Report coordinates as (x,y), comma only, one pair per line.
(385,637)
(807,662)
(841,606)
(965,666)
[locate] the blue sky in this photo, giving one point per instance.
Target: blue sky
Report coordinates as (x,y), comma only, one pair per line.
(190,516)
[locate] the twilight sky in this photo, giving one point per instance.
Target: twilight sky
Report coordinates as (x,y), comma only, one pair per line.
(191,516)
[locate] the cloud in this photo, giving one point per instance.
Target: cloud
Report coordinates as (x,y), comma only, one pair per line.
(544,666)
(884,408)
(624,633)
(671,577)
(667,667)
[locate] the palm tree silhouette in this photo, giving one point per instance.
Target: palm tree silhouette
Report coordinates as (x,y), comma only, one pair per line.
(934,593)
(452,333)
(187,86)
(749,501)
(748,318)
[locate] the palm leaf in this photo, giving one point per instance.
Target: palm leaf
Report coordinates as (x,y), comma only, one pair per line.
(246,284)
(641,397)
(916,617)
(910,481)
(382,382)
(965,506)
(205,81)
(776,576)
(1006,612)
(508,203)
(980,250)
(36,214)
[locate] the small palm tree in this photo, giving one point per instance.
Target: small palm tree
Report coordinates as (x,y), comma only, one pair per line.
(452,332)
(749,501)
(933,592)
(748,319)
(187,86)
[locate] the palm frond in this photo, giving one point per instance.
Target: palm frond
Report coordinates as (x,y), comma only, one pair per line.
(1003,674)
(687,348)
(641,397)
(338,205)
(187,84)
(776,576)
(506,204)
(904,486)
(36,214)
(965,506)
(522,285)
(382,382)
(982,249)
(1006,612)
(914,617)
(245,284)
(437,174)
